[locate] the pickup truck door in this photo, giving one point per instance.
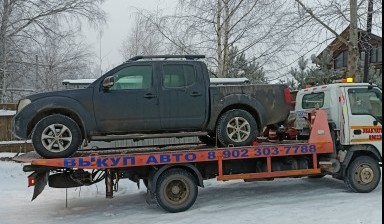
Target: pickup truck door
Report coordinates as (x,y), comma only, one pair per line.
(183,96)
(363,116)
(131,105)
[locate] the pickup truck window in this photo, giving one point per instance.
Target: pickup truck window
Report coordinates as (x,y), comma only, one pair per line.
(313,100)
(176,75)
(133,77)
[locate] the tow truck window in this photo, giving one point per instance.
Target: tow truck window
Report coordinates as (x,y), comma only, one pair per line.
(313,100)
(365,101)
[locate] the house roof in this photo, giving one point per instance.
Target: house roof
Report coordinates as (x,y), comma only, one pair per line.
(336,45)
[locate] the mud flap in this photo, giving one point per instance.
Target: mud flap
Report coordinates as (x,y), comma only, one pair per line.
(39,180)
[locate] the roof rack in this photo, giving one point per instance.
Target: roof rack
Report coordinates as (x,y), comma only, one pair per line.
(188,57)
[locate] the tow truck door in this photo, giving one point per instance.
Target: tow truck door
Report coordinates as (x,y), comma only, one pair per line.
(362,116)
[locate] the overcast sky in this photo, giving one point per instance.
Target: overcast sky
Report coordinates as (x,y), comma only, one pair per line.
(119,23)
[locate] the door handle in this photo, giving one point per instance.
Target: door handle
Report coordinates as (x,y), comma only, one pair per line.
(195,94)
(150,96)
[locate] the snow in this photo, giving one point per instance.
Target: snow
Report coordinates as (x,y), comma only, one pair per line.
(7,112)
(288,201)
(14,142)
(228,80)
(78,81)
(7,154)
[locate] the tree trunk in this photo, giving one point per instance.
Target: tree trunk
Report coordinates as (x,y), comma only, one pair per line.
(227,20)
(219,36)
(353,48)
(3,47)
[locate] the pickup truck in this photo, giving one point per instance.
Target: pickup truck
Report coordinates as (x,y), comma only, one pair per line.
(150,97)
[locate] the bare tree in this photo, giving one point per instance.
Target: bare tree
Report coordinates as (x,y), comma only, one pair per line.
(214,27)
(20,19)
(143,39)
(253,26)
(61,57)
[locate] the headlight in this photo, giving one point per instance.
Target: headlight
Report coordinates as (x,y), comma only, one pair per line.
(23,103)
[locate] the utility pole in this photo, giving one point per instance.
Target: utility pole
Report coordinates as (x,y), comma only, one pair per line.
(353,47)
(366,41)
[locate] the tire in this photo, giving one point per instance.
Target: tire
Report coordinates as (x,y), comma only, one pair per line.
(363,174)
(176,190)
(208,140)
(236,127)
(56,136)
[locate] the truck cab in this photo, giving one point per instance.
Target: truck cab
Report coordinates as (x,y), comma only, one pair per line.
(354,111)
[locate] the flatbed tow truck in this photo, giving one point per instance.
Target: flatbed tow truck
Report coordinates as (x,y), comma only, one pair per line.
(173,174)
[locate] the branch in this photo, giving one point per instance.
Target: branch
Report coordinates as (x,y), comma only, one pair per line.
(309,11)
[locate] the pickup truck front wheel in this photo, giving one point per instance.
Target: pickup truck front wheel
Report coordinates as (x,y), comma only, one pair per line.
(236,127)
(56,136)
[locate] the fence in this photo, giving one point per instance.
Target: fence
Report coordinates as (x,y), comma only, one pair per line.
(7,110)
(8,142)
(6,128)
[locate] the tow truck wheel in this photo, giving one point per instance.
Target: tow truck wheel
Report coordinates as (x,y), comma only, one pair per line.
(56,136)
(176,190)
(363,174)
(236,127)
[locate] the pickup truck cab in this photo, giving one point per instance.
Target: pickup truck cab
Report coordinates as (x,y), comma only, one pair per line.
(150,97)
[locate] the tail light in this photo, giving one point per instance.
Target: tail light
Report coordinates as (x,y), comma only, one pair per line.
(32,180)
(287,96)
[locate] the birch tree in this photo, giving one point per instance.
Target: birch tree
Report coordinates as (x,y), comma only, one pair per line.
(255,27)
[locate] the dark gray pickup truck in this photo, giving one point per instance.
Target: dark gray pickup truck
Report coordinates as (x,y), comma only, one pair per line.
(150,97)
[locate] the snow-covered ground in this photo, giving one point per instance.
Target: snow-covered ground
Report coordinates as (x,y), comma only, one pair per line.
(7,112)
(14,142)
(287,201)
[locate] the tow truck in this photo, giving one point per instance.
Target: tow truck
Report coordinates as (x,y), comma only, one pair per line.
(350,150)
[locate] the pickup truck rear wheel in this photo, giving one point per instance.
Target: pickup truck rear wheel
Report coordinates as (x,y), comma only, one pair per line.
(56,136)
(236,127)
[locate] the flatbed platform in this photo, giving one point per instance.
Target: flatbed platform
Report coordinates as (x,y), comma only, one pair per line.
(188,165)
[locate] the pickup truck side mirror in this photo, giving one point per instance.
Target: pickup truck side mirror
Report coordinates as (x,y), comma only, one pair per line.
(108,82)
